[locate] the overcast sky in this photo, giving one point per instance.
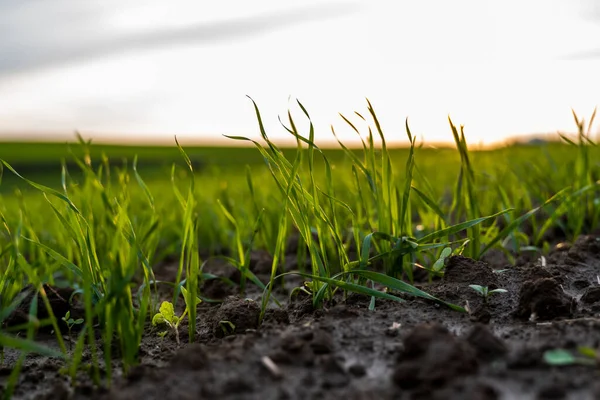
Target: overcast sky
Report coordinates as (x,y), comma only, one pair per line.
(146,70)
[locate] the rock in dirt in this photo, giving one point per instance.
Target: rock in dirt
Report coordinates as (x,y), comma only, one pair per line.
(543,299)
(432,357)
(235,316)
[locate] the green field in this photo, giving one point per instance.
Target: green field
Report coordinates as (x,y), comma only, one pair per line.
(368,215)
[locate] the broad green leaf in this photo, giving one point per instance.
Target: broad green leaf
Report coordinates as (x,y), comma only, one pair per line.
(158,319)
(167,311)
(439,264)
(559,357)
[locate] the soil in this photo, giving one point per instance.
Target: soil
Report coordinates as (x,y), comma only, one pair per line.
(417,349)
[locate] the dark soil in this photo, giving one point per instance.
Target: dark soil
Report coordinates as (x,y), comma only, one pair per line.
(412,350)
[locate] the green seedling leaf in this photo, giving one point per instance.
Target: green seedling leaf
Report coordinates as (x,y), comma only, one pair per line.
(430,203)
(227,327)
(142,184)
(477,288)
(401,286)
(517,222)
(485,292)
(166,314)
(562,357)
(439,264)
(587,352)
(188,300)
(158,319)
(559,357)
(451,230)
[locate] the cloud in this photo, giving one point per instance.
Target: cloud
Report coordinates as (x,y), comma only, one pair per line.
(84,38)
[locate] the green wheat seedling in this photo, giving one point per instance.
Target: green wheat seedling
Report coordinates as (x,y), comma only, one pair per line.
(582,207)
(242,263)
(385,204)
(302,201)
(366,217)
(189,256)
(107,297)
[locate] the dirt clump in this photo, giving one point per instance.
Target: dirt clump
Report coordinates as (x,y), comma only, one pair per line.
(466,271)
(591,295)
(235,316)
(193,357)
(416,349)
(432,357)
(487,346)
(543,299)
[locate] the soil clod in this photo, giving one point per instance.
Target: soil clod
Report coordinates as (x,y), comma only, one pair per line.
(543,299)
(487,346)
(432,357)
(235,316)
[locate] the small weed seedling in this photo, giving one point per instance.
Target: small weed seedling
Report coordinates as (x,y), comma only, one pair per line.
(562,357)
(306,288)
(166,315)
(485,292)
(70,324)
(227,327)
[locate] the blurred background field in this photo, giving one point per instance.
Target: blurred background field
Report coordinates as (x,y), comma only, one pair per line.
(529,173)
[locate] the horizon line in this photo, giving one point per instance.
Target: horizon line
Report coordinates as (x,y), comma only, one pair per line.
(223,141)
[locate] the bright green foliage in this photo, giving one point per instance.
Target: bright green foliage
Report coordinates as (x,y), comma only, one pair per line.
(166,313)
(361,220)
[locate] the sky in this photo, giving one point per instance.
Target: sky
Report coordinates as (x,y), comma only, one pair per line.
(144,70)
